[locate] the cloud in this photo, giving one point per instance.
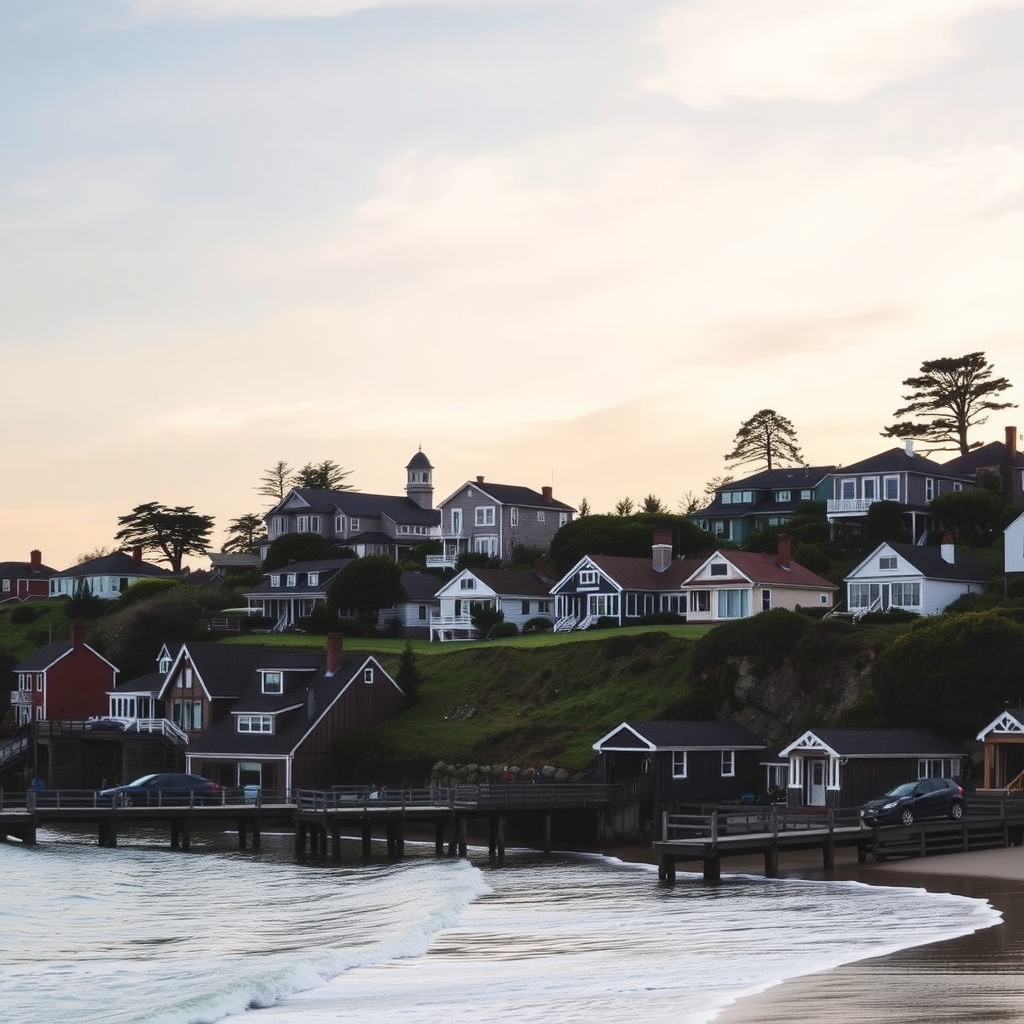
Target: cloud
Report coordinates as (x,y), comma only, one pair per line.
(830,51)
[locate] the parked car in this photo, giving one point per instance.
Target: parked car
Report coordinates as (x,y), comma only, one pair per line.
(909,801)
(105,725)
(162,789)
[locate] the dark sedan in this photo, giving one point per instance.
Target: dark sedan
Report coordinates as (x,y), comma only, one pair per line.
(909,801)
(164,788)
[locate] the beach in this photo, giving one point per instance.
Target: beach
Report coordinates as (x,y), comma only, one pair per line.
(974,979)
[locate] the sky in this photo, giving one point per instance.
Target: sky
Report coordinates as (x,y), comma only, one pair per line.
(572,243)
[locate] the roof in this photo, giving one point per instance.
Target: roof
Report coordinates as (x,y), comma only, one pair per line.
(420,586)
(929,562)
(359,504)
(632,735)
(765,569)
(513,581)
(23,570)
(327,568)
(1007,723)
(896,460)
(511,494)
(989,456)
(119,563)
(51,653)
(876,743)
(419,461)
(293,720)
(635,573)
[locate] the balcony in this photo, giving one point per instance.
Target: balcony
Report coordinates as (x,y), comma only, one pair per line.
(848,506)
(21,696)
(446,561)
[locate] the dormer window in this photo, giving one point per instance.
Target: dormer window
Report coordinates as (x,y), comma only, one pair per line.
(256,723)
(275,580)
(367,675)
(313,579)
(273,682)
(291,579)
(164,666)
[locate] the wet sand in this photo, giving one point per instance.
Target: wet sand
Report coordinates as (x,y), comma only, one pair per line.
(975,979)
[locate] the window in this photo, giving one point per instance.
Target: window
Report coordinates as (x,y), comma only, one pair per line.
(783,496)
(278,525)
(957,486)
(887,562)
(367,675)
(766,600)
(929,488)
(722,528)
(275,580)
(588,577)
(7,586)
(543,606)
(540,515)
(354,524)
(256,723)
(604,605)
(339,524)
(467,583)
(513,516)
(733,604)
(728,763)
(823,599)
(718,569)
(563,518)
(165,665)
(937,767)
(891,488)
(869,488)
(700,601)
(188,715)
(848,489)
(486,546)
(421,611)
(250,773)
(678,764)
(307,524)
(526,608)
(457,521)
(906,595)
(403,529)
(39,683)
(806,494)
(313,579)
(273,682)
(483,515)
(290,579)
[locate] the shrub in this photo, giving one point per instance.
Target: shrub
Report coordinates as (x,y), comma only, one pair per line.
(23,613)
(890,616)
(538,625)
(604,622)
(662,619)
(502,629)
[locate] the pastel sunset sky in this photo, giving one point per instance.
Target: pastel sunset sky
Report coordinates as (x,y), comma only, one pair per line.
(565,242)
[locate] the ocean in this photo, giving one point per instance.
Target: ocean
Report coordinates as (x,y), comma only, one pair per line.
(144,935)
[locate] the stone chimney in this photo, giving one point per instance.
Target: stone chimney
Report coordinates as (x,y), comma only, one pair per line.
(784,551)
(546,491)
(335,652)
(946,550)
(661,550)
(77,636)
(137,555)
(36,560)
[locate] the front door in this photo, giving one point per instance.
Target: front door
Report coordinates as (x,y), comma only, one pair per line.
(816,783)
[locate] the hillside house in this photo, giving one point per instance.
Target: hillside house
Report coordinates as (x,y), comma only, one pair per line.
(23,581)
(519,595)
(107,576)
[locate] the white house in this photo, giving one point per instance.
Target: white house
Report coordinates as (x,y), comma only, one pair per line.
(925,580)
(520,596)
(1013,546)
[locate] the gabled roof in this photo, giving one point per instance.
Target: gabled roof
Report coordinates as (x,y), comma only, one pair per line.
(291,709)
(512,582)
(765,484)
(224,670)
(762,569)
(511,494)
(634,573)
(928,561)
(420,586)
(327,568)
(119,563)
(896,460)
(989,456)
(1007,723)
(51,653)
(25,570)
(650,736)
(866,743)
(358,504)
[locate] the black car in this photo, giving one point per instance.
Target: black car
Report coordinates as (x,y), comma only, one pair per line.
(162,789)
(909,801)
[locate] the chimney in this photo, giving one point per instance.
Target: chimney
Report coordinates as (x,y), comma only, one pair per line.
(37,560)
(784,551)
(335,653)
(661,550)
(1008,470)
(479,479)
(1011,442)
(946,550)
(546,491)
(77,636)
(310,703)
(137,555)
(909,447)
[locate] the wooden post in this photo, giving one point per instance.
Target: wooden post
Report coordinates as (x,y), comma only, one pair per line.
(712,868)
(771,861)
(492,835)
(175,835)
(547,832)
(463,841)
(667,869)
(367,838)
(335,841)
(300,838)
(241,833)
(439,838)
(828,852)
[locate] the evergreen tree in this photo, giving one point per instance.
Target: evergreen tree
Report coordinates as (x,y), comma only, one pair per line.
(325,476)
(408,676)
(766,437)
(174,532)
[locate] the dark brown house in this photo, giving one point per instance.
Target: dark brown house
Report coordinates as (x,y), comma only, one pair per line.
(281,728)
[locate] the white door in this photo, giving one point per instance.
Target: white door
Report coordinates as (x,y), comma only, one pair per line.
(816,783)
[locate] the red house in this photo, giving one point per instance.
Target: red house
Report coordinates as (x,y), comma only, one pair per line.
(63,680)
(21,581)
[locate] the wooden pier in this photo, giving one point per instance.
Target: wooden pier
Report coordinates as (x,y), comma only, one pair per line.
(771,832)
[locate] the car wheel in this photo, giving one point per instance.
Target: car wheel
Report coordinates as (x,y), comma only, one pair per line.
(956,810)
(906,816)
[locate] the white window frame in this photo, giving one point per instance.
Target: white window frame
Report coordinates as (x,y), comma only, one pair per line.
(263,724)
(291,579)
(588,577)
(728,764)
(275,580)
(869,488)
(354,524)
(456,521)
(483,515)
(513,516)
(848,488)
(890,484)
(273,682)
(929,488)
(679,766)
(313,579)
(540,515)
(368,675)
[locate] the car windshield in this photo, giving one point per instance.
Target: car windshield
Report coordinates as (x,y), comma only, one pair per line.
(145,780)
(903,789)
